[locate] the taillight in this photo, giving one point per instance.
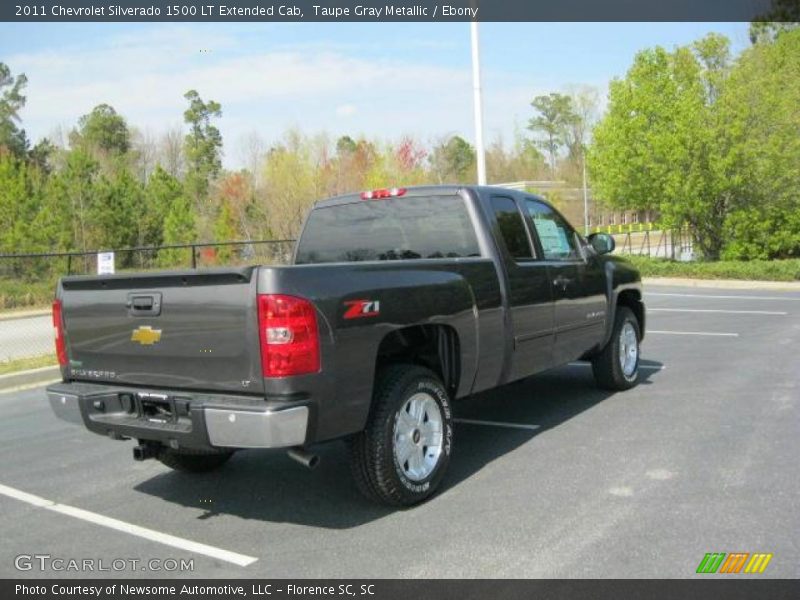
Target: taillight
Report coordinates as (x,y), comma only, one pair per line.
(382,193)
(289,336)
(58,325)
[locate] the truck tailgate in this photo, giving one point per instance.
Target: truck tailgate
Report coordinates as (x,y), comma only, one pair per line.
(187,329)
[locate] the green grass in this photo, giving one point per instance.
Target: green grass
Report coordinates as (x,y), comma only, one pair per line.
(758,270)
(15,294)
(23,364)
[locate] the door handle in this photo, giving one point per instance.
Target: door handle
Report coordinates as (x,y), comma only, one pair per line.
(562,281)
(142,302)
(144,305)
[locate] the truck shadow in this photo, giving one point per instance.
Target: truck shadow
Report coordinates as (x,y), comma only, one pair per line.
(266,485)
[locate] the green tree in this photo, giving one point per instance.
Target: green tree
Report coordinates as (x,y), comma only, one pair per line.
(104,130)
(225,231)
(73,191)
(19,205)
(179,228)
(659,144)
(522,161)
(160,194)
(12,100)
(203,145)
(116,214)
(41,154)
(292,182)
(345,146)
(555,116)
(453,161)
(760,119)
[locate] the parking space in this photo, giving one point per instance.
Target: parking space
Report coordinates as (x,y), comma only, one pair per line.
(551,477)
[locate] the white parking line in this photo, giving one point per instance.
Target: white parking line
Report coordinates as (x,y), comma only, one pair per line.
(739,297)
(715,310)
(149,534)
(497,424)
(712,333)
(648,367)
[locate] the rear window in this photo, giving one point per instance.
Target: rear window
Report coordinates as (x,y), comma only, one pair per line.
(404,228)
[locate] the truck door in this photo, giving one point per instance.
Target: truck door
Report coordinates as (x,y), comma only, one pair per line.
(529,292)
(577,281)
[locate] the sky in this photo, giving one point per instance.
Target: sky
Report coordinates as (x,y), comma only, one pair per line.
(379,80)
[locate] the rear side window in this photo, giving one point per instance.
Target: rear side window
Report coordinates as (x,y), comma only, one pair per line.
(512,227)
(404,228)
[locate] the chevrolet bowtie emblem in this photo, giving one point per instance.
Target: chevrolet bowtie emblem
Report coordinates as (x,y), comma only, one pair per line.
(146,335)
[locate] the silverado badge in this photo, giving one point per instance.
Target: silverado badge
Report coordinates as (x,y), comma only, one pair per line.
(146,335)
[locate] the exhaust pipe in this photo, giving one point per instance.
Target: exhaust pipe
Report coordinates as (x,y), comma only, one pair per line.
(307,459)
(145,451)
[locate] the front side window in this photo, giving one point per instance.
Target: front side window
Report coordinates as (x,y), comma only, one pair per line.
(405,228)
(559,241)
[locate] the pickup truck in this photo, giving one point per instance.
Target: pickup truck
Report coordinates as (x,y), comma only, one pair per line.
(398,302)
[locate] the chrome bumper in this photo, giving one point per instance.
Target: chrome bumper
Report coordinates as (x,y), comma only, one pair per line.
(65,406)
(224,428)
(246,429)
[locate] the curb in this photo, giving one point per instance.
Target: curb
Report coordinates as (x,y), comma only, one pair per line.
(729,284)
(23,314)
(30,377)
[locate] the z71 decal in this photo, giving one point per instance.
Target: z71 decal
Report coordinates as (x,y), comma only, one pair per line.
(357,309)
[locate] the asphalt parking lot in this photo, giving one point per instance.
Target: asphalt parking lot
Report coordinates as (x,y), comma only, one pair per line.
(701,457)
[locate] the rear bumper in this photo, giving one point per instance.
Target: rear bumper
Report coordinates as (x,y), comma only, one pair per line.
(231,428)
(181,419)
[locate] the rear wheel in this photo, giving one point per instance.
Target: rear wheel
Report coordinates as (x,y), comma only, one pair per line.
(617,366)
(402,455)
(193,461)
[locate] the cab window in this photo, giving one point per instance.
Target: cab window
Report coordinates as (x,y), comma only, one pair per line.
(512,227)
(559,241)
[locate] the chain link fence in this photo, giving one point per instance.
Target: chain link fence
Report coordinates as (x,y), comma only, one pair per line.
(26,336)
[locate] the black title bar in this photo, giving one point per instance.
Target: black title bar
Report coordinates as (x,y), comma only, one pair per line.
(394,11)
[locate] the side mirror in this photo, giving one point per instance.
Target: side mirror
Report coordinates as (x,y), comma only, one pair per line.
(602,243)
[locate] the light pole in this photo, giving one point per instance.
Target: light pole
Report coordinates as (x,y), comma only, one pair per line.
(585,195)
(476,92)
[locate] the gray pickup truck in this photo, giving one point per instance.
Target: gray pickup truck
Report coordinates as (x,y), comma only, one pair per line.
(398,302)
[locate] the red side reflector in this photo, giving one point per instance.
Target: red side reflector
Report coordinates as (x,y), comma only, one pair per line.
(382,193)
(58,325)
(289,336)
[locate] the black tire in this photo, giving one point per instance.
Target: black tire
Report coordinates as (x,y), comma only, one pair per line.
(193,461)
(374,465)
(607,366)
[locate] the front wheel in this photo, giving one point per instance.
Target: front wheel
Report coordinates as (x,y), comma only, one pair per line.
(402,455)
(617,366)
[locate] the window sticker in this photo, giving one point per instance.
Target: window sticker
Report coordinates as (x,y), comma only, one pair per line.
(553,238)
